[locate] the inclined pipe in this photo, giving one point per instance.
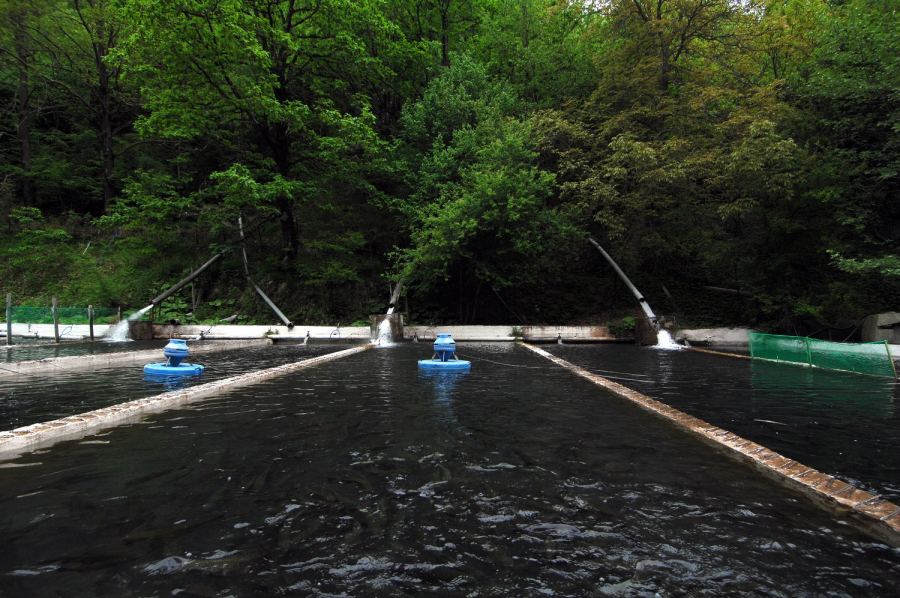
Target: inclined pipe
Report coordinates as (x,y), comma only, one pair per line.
(181,284)
(644,305)
(395,297)
(268,301)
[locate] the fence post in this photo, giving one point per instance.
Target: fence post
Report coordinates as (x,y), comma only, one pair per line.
(91,321)
(808,354)
(55,319)
(9,319)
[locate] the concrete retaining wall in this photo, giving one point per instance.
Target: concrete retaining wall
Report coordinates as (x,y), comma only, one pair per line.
(879,515)
(512,333)
(715,336)
(66,331)
(276,333)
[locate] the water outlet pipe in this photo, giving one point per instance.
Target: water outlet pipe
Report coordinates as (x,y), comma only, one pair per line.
(395,297)
(181,284)
(643,302)
(268,301)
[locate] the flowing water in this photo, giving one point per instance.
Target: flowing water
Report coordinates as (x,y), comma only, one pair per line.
(665,341)
(30,398)
(365,476)
(44,350)
(846,425)
(385,336)
(119,333)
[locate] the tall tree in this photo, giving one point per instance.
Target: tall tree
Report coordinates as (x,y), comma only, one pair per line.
(271,80)
(16,49)
(79,38)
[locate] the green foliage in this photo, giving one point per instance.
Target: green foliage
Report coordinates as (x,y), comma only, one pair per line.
(622,328)
(467,146)
(478,198)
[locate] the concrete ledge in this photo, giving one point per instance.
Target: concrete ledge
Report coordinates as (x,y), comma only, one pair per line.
(879,516)
(572,334)
(66,331)
(276,333)
(715,336)
(15,442)
(101,360)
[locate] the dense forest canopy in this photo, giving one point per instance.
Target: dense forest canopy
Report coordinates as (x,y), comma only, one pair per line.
(467,147)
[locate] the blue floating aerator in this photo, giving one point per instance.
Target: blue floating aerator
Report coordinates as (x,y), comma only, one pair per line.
(175,353)
(444,355)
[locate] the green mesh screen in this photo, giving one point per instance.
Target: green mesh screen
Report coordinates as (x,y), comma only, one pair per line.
(865,358)
(67,315)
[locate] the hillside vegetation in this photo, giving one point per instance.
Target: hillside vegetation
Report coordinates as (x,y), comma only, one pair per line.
(467,147)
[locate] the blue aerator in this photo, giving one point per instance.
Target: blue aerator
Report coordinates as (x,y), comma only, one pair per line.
(175,353)
(444,357)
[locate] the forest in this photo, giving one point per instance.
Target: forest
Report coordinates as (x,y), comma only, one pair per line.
(739,159)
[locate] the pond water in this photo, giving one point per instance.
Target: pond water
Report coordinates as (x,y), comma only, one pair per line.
(846,425)
(364,476)
(30,398)
(25,350)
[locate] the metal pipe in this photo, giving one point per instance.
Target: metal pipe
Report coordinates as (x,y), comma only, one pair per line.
(284,319)
(243,249)
(9,311)
(643,302)
(395,297)
(181,284)
(55,311)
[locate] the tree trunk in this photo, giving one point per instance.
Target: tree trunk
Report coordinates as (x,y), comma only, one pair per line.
(281,147)
(23,96)
(106,134)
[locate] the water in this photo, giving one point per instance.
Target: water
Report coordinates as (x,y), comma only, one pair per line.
(28,399)
(385,336)
(366,477)
(43,350)
(846,425)
(119,334)
(665,341)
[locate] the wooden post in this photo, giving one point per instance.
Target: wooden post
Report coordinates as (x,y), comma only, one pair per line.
(91,321)
(9,319)
(55,311)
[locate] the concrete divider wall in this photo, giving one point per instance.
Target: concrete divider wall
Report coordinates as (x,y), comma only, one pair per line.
(512,333)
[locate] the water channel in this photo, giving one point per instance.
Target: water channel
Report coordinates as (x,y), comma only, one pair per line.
(365,477)
(846,425)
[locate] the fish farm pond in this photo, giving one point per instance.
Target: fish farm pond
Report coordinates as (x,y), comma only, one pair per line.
(365,476)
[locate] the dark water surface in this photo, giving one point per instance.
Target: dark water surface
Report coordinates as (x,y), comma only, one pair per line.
(365,477)
(25,350)
(30,398)
(846,425)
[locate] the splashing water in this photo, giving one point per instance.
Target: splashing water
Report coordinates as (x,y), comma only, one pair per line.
(665,341)
(119,334)
(385,337)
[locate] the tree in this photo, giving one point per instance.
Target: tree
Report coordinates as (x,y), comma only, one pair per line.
(480,209)
(850,95)
(272,81)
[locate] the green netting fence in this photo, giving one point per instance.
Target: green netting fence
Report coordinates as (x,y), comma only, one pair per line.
(865,358)
(67,315)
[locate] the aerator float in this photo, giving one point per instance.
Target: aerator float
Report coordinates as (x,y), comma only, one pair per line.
(175,353)
(444,356)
